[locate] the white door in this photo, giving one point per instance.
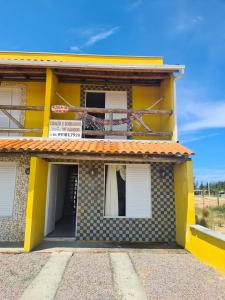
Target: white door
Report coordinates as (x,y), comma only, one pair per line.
(116,99)
(10,96)
(138,191)
(51,199)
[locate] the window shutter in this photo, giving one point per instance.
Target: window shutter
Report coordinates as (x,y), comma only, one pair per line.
(116,99)
(7,188)
(138,191)
(10,96)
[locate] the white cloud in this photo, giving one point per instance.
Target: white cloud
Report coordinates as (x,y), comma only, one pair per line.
(102,35)
(186,23)
(134,4)
(90,36)
(75,48)
(194,138)
(197,112)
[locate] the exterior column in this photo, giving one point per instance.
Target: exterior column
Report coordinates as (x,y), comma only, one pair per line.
(184,201)
(50,89)
(36,202)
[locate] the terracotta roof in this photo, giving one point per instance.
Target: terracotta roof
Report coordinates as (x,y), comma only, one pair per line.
(93,146)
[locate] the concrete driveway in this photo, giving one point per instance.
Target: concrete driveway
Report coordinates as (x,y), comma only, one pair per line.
(108,274)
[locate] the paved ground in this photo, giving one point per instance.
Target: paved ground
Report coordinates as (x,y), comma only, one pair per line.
(89,275)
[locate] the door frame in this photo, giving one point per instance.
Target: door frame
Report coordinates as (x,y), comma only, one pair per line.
(48,185)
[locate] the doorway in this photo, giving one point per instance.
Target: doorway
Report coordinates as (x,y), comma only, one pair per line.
(107,99)
(61,201)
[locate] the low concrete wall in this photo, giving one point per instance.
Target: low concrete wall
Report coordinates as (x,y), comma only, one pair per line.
(208,246)
(12,227)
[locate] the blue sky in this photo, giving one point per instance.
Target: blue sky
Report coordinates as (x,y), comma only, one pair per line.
(190,32)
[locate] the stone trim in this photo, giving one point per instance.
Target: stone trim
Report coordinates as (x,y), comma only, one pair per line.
(12,227)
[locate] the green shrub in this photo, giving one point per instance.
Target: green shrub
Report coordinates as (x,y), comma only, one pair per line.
(202,222)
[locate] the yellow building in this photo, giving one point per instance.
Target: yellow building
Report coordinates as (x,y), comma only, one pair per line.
(89,150)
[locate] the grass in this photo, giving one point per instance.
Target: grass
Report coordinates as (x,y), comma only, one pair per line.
(212,217)
(12,273)
(219,209)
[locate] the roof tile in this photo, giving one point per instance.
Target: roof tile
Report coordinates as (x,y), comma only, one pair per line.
(94,146)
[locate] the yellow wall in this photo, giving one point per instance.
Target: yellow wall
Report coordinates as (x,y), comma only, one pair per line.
(79,58)
(50,95)
(71,93)
(207,249)
(36,201)
(184,201)
(167,92)
(144,97)
(35,95)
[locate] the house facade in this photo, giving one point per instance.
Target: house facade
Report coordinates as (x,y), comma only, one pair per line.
(89,149)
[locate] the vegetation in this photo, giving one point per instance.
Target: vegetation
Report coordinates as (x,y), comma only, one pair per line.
(215,187)
(212,217)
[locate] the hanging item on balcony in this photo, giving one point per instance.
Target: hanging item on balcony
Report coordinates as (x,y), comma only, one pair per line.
(98,123)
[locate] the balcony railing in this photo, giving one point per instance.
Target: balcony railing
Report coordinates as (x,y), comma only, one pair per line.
(136,113)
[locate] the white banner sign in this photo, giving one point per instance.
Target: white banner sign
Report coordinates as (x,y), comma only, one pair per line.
(65,129)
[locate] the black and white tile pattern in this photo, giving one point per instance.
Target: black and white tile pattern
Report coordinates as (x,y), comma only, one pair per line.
(92,225)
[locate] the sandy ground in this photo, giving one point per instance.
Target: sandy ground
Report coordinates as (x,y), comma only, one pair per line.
(208,201)
(17,271)
(166,274)
(88,276)
(178,276)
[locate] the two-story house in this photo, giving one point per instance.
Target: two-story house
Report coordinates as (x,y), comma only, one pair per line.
(123,176)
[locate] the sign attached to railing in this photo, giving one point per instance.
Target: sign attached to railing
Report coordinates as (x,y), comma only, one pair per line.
(65,129)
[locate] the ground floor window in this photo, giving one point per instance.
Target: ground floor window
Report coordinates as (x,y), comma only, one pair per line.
(7,188)
(128,190)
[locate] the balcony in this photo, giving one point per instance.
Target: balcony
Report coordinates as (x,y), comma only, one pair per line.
(109,125)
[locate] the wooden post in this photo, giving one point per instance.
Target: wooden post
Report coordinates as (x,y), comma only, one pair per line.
(111,121)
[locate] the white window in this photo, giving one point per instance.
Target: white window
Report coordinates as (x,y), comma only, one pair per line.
(7,188)
(128,190)
(10,96)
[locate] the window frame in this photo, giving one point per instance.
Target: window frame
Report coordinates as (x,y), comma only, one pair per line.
(126,217)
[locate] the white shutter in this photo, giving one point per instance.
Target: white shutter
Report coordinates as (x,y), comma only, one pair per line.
(7,188)
(138,191)
(116,99)
(5,98)
(10,96)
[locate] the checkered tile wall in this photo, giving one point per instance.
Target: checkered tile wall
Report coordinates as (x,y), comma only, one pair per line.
(92,87)
(91,224)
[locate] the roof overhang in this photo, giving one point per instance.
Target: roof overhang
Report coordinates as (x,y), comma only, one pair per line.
(86,149)
(28,69)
